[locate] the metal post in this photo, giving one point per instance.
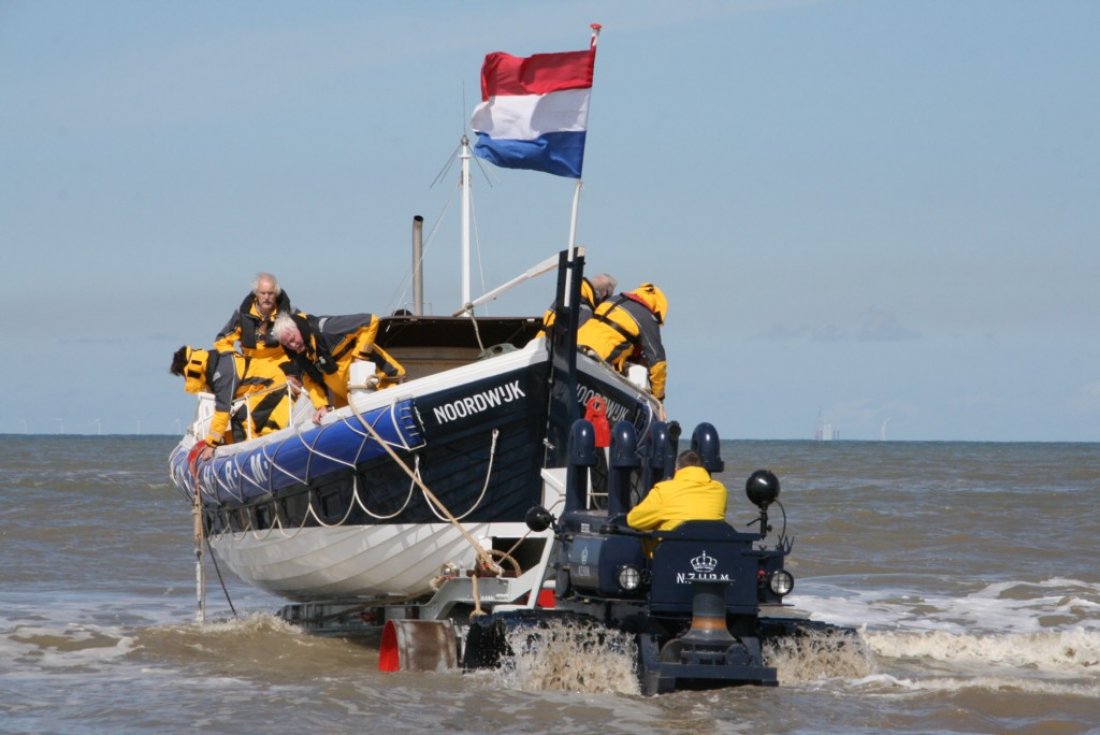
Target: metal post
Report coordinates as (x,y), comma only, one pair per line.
(418,265)
(200,571)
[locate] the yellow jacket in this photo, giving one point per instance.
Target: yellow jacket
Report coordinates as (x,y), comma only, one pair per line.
(332,343)
(691,495)
(584,312)
(231,377)
(627,328)
(252,331)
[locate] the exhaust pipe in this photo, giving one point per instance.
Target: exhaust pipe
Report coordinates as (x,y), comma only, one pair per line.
(418,265)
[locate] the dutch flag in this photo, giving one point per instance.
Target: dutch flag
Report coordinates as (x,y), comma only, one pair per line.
(534,110)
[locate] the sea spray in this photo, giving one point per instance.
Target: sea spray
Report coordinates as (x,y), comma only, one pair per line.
(564,656)
(819,655)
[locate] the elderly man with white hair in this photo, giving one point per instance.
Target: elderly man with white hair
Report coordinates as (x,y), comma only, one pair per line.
(250,325)
(321,350)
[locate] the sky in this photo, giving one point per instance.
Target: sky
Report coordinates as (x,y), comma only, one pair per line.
(878,215)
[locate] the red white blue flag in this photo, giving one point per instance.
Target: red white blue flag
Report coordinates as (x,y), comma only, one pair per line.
(534,110)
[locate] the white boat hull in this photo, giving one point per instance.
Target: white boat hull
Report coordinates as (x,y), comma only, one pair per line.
(351,562)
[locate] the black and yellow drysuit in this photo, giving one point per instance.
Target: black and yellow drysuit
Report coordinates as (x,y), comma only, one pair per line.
(584,310)
(332,343)
(627,328)
(253,331)
(231,377)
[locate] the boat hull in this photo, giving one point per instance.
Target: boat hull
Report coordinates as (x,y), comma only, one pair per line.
(345,510)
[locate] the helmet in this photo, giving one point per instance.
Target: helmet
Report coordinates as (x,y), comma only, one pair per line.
(654,299)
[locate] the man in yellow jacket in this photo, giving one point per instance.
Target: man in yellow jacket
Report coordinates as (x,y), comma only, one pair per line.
(593,293)
(321,350)
(249,329)
(231,377)
(627,328)
(691,495)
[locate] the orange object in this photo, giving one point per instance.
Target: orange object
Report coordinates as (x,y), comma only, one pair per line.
(595,412)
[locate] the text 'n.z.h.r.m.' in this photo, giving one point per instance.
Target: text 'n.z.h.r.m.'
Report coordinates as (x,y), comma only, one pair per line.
(478,402)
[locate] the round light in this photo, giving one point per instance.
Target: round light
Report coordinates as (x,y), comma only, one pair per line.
(781,582)
(629,578)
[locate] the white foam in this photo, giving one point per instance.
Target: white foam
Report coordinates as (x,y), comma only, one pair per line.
(817,656)
(1003,606)
(75,645)
(886,685)
(570,658)
(1073,653)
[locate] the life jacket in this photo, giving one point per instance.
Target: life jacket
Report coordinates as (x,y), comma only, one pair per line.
(611,314)
(199,371)
(626,328)
(250,322)
(269,411)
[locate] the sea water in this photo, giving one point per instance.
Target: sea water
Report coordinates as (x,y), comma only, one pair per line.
(971,571)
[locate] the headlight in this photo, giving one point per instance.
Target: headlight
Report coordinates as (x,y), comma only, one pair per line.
(780,583)
(629,578)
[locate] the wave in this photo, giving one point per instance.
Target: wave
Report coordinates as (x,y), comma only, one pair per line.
(957,606)
(1068,652)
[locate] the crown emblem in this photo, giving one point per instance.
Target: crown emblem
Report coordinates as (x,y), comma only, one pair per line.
(704,563)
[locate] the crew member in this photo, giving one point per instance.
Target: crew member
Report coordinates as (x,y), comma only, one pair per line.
(321,350)
(691,495)
(627,329)
(231,377)
(593,293)
(250,325)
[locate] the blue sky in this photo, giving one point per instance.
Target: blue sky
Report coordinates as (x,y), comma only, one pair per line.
(881,215)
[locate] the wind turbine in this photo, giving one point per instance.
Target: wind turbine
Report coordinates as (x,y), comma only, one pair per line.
(60,425)
(98,426)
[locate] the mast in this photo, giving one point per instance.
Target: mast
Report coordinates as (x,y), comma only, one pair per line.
(465,184)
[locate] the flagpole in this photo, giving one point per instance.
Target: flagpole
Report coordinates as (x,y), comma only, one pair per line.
(572,243)
(577,197)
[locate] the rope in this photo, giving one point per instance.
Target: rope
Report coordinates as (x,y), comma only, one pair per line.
(362,504)
(312,512)
(484,558)
(477,611)
(477,332)
(221,580)
(485,486)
